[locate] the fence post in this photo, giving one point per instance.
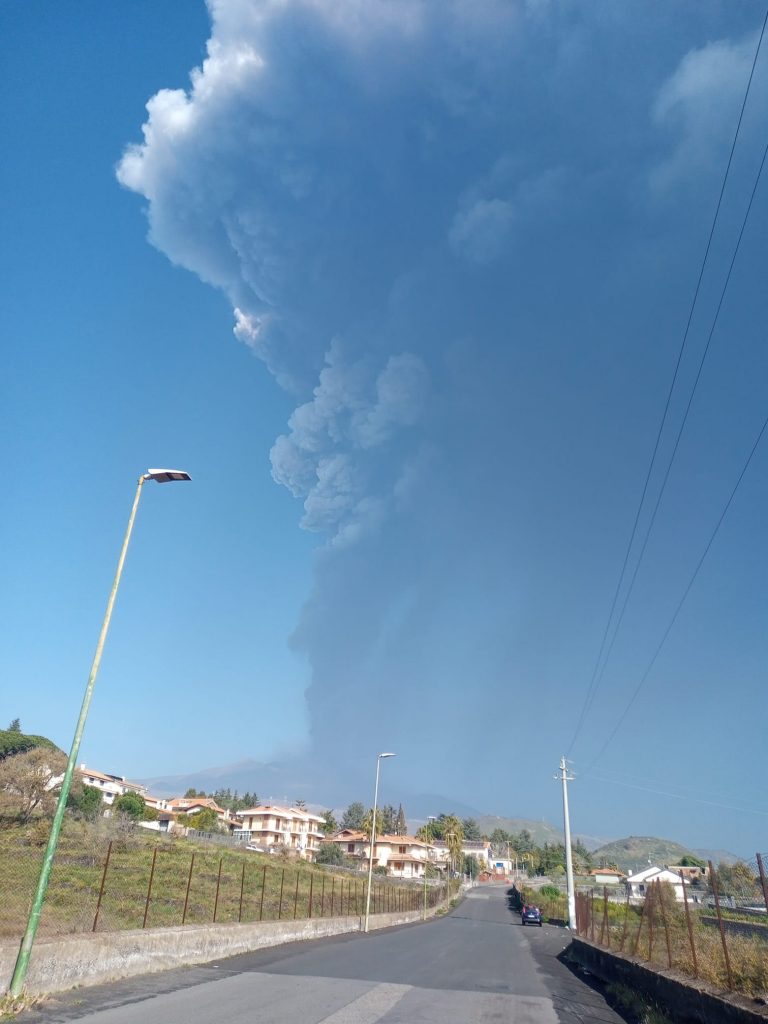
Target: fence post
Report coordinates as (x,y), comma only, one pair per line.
(763,882)
(651,901)
(592,915)
(242,887)
(280,907)
(664,923)
(218,885)
(626,924)
(333,891)
(713,876)
(296,894)
(101,887)
(636,946)
(186,895)
(311,890)
(322,898)
(149,888)
(689,925)
(604,922)
(263,890)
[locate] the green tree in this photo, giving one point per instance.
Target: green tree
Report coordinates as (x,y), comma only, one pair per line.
(300,805)
(388,820)
(689,861)
(453,835)
(471,829)
(523,842)
(206,820)
(499,839)
(330,825)
(353,816)
(471,866)
(131,805)
(192,793)
(368,820)
(401,827)
(329,853)
(15,725)
(85,801)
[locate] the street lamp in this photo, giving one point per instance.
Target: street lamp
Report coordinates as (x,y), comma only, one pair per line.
(373,840)
(430,817)
(161,476)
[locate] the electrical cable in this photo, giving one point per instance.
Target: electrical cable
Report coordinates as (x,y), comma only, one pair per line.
(594,682)
(677,796)
(681,602)
(673,455)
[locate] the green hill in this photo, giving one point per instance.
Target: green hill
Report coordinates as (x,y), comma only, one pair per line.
(634,852)
(14,742)
(541,832)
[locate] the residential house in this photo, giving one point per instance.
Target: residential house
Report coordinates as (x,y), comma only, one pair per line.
(606,876)
(690,871)
(272,826)
(110,786)
(480,849)
(186,806)
(402,856)
(639,883)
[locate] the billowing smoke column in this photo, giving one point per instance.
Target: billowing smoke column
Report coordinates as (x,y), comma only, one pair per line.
(408,203)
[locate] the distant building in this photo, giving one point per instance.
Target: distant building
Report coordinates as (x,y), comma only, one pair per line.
(110,786)
(639,884)
(402,856)
(606,876)
(275,827)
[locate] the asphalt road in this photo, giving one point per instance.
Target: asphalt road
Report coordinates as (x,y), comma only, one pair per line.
(477,965)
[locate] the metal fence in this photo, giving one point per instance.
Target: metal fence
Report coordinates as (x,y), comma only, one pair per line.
(716,930)
(120,883)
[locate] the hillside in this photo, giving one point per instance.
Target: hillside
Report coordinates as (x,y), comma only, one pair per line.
(635,852)
(541,831)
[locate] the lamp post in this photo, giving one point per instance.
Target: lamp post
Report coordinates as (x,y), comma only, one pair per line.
(450,835)
(430,817)
(373,840)
(161,476)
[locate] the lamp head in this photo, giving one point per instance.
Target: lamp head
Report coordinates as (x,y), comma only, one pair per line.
(164,476)
(387,755)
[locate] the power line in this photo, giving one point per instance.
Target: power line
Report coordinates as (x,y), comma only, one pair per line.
(676,796)
(594,681)
(684,597)
(673,455)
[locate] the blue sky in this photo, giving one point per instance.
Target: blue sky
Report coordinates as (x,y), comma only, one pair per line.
(416,278)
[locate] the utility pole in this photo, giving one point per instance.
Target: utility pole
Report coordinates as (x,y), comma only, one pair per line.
(565,778)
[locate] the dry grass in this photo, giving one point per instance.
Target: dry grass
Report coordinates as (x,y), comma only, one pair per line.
(184,884)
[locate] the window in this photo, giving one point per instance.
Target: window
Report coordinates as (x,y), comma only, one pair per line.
(350,847)
(401,849)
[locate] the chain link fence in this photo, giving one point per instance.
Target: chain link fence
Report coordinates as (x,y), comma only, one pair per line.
(714,927)
(102,882)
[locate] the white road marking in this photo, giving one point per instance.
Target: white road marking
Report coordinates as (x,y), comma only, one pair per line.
(369,1007)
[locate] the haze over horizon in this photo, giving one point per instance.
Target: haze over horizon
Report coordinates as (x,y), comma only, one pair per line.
(457,244)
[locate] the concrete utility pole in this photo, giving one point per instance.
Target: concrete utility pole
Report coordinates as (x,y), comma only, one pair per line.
(565,778)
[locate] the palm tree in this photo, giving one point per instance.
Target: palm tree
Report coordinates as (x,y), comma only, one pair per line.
(454,837)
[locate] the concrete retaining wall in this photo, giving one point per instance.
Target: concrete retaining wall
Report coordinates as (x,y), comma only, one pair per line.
(62,963)
(684,1001)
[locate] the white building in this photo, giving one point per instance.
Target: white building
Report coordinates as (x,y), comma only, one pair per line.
(282,827)
(639,884)
(110,786)
(402,856)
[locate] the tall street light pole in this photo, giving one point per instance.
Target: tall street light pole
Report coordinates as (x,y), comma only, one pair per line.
(565,778)
(373,840)
(161,476)
(430,817)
